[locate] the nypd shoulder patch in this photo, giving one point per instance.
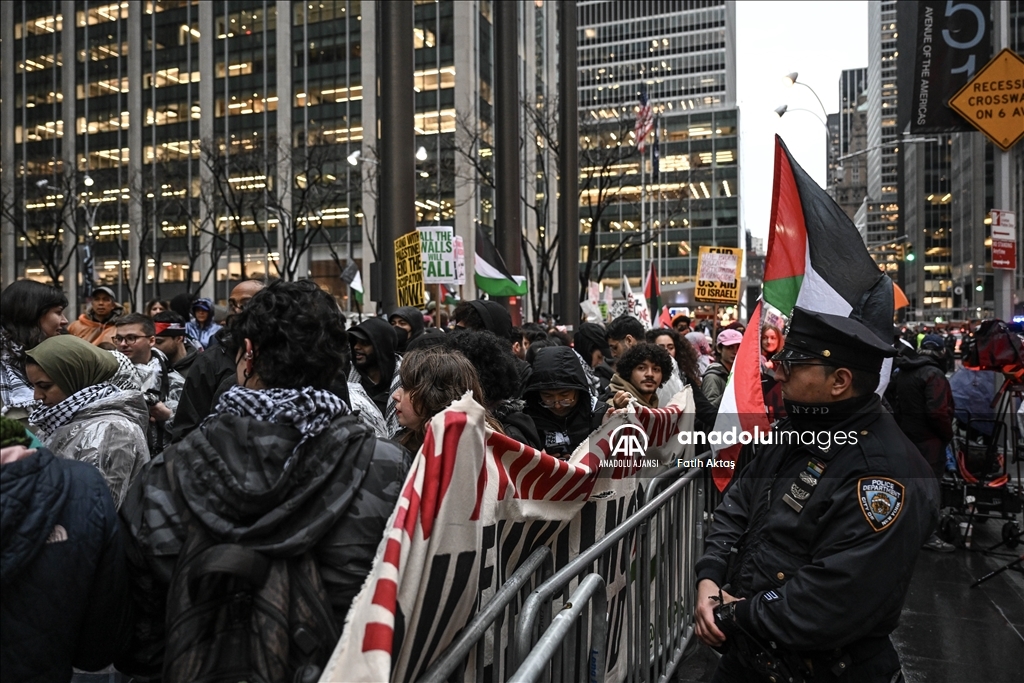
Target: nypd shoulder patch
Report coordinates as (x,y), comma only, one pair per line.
(881,501)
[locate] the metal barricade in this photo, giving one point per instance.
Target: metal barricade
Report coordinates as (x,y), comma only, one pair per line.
(667,531)
(499,610)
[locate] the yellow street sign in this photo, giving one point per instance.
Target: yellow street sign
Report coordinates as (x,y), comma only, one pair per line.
(993,101)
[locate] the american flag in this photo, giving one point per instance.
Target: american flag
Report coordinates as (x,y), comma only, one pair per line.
(644,121)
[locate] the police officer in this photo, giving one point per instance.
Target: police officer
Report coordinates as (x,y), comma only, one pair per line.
(811,552)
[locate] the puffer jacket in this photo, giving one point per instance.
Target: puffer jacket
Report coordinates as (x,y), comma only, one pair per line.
(230,476)
(63,571)
(554,368)
(109,434)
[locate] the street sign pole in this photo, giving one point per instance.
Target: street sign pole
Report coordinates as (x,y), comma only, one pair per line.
(1003,279)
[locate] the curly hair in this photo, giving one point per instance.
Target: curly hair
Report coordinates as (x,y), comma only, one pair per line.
(495,365)
(22,304)
(296,332)
(644,352)
(686,355)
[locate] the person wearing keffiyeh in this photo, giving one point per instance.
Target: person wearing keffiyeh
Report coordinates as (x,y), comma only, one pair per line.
(83,415)
(281,467)
(29,313)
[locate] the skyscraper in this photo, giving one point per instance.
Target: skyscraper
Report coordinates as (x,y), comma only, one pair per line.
(681,55)
(169,146)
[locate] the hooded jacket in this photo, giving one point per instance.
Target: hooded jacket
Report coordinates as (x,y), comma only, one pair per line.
(333,499)
(63,570)
(184,364)
(94,331)
(109,434)
(211,375)
(716,377)
(383,339)
(554,368)
(414,317)
(924,406)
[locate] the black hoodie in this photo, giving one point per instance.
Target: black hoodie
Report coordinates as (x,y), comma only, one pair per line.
(414,317)
(382,337)
(924,406)
(554,368)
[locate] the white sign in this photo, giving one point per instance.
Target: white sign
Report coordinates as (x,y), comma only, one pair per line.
(460,261)
(437,247)
(1004,225)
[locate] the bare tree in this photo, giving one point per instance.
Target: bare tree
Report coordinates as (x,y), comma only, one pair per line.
(49,217)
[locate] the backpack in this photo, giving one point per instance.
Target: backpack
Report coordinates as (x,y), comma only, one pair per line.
(235,614)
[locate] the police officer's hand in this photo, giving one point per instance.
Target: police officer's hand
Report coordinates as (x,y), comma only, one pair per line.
(704,616)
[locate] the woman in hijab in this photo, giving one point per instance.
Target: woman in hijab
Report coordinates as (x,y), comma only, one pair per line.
(83,415)
(29,313)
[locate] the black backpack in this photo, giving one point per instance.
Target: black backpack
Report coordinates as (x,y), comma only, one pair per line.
(235,614)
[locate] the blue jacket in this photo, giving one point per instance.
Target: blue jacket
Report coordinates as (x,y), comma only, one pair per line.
(64,598)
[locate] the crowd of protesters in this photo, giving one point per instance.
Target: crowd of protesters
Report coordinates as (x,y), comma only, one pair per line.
(156,439)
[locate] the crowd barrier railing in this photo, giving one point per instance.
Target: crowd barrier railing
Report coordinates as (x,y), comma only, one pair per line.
(667,531)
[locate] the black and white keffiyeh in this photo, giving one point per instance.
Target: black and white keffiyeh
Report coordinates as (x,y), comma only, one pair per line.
(308,410)
(48,419)
(15,391)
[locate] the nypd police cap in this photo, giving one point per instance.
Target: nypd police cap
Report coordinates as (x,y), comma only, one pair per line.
(835,339)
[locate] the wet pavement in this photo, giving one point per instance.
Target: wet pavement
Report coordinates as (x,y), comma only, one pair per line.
(949,632)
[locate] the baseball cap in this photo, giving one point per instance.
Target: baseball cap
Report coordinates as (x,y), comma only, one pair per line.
(106,290)
(730,337)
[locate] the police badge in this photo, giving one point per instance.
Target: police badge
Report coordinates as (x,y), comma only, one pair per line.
(881,500)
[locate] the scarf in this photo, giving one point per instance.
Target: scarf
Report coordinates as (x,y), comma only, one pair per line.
(308,410)
(14,389)
(73,363)
(48,419)
(619,384)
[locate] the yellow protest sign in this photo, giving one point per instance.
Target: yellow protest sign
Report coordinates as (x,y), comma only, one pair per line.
(718,275)
(409,270)
(993,101)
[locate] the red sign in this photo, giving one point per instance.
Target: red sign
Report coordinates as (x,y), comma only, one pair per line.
(1004,255)
(1004,239)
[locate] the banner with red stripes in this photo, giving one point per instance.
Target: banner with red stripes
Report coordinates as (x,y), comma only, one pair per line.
(474,505)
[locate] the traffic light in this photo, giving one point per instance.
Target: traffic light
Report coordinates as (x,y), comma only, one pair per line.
(908,252)
(979,285)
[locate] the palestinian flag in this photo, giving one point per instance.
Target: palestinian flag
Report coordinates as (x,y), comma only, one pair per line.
(492,275)
(356,287)
(652,289)
(817,260)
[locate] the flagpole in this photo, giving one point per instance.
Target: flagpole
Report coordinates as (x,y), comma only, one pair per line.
(643,214)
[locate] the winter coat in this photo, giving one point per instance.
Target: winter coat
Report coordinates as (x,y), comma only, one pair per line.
(230,476)
(924,406)
(109,434)
(558,367)
(672,386)
(517,424)
(713,383)
(62,567)
(94,331)
(183,365)
(203,334)
(211,375)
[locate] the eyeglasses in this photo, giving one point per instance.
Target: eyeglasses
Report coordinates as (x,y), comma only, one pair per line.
(129,339)
(560,403)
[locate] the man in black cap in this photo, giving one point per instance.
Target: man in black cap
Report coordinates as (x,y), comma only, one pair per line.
(811,552)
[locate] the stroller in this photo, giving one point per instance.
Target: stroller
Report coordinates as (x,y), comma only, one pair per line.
(988,445)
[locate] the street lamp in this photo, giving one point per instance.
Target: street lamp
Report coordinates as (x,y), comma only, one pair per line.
(353,158)
(88,181)
(791,79)
(784,108)
(421,153)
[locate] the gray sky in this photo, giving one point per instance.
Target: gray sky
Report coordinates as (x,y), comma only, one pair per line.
(816,39)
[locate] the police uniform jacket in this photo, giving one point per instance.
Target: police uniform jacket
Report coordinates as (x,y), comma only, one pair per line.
(837,571)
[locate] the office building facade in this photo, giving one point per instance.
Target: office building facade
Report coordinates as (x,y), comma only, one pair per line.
(681,54)
(162,147)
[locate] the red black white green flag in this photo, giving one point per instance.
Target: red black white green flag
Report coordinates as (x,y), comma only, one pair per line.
(817,260)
